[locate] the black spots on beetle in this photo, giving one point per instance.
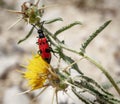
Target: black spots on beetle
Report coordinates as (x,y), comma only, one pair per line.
(40,43)
(43,43)
(47,60)
(47,50)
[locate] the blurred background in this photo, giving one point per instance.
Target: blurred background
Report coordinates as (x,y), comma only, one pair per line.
(105,48)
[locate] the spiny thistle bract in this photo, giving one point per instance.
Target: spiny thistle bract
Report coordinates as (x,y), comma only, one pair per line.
(41,74)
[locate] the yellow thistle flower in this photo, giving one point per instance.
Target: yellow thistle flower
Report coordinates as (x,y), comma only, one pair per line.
(37,72)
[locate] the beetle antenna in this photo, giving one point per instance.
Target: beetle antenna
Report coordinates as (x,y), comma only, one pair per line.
(35,27)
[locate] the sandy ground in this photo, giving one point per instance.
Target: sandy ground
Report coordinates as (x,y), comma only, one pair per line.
(105,48)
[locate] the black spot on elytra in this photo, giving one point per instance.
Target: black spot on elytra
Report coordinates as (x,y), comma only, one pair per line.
(47,60)
(47,50)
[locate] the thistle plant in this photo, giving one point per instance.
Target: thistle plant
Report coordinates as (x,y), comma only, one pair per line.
(41,74)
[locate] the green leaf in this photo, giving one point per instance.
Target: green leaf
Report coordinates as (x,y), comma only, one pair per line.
(69,60)
(53,20)
(89,80)
(101,98)
(67,27)
(108,85)
(27,36)
(81,97)
(93,35)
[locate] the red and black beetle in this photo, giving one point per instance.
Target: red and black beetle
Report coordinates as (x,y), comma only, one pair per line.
(44,47)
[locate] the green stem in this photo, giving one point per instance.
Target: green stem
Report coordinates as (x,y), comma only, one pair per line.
(63,46)
(97,65)
(104,71)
